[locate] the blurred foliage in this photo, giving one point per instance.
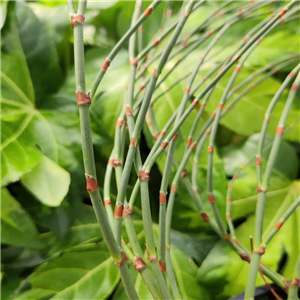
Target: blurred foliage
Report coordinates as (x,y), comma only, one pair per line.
(52,247)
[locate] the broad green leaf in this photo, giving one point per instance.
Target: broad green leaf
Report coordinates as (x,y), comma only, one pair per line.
(40,52)
(48,182)
(85,273)
(17,228)
(225,274)
(186,273)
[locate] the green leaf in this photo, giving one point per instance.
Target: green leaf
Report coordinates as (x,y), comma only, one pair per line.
(17,228)
(48,182)
(87,273)
(185,272)
(40,52)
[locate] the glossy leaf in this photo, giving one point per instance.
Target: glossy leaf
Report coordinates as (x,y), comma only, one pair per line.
(17,228)
(48,182)
(86,273)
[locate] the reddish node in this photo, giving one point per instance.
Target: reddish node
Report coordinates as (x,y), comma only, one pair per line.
(195,103)
(127,211)
(124,258)
(202,106)
(189,141)
(83,98)
(208,33)
(107,202)
(187,90)
(279,224)
(228,218)
(119,123)
(144,175)
(245,39)
(213,114)
(155,42)
(132,142)
(211,149)
(260,250)
(237,69)
(245,256)
(282,12)
(105,65)
(162,133)
(140,29)
(279,130)
(295,282)
(291,74)
(77,18)
(220,106)
(227,237)
(266,119)
(166,90)
(156,135)
(294,87)
(91,183)
(228,200)
(235,240)
(133,61)
(154,73)
(184,173)
(207,132)
(173,187)
(164,144)
(203,79)
(237,58)
(162,198)
(257,161)
(235,176)
(148,11)
(141,86)
(204,216)
(118,211)
(211,198)
(193,145)
(229,187)
(128,111)
(174,138)
(162,266)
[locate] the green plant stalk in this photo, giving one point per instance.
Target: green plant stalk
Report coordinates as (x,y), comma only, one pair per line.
(282,220)
(293,290)
(88,157)
(121,43)
(254,265)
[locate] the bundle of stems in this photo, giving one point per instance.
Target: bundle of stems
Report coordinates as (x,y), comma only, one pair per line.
(138,109)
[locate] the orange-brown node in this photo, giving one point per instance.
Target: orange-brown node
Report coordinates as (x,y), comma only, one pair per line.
(132,142)
(111,161)
(279,130)
(244,166)
(207,132)
(123,242)
(195,103)
(204,216)
(174,187)
(162,198)
(174,138)
(237,69)
(260,250)
(162,266)
(211,198)
(77,18)
(151,103)
(235,176)
(251,86)
(228,217)
(258,188)
(257,161)
(164,145)
(254,75)
(211,149)
(272,16)
(235,240)
(165,91)
(187,90)
(184,173)
(295,282)
(230,187)
(189,141)
(202,106)
(141,29)
(213,114)
(105,65)
(127,211)
(166,246)
(91,183)
(119,123)
(228,200)
(228,107)
(83,98)
(203,79)
(156,135)
(266,118)
(133,61)
(275,70)
(241,11)
(245,39)
(282,12)
(144,175)
(138,5)
(107,202)
(118,211)
(216,37)
(279,224)
(124,258)
(196,191)
(294,87)
(155,42)
(144,67)
(259,40)
(245,256)
(139,264)
(148,11)
(234,89)
(128,111)
(291,74)
(151,258)
(208,33)
(220,106)
(220,15)
(237,58)
(162,133)
(193,145)
(116,162)
(227,237)
(154,73)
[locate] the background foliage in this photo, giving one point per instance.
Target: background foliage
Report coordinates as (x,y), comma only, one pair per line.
(51,244)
